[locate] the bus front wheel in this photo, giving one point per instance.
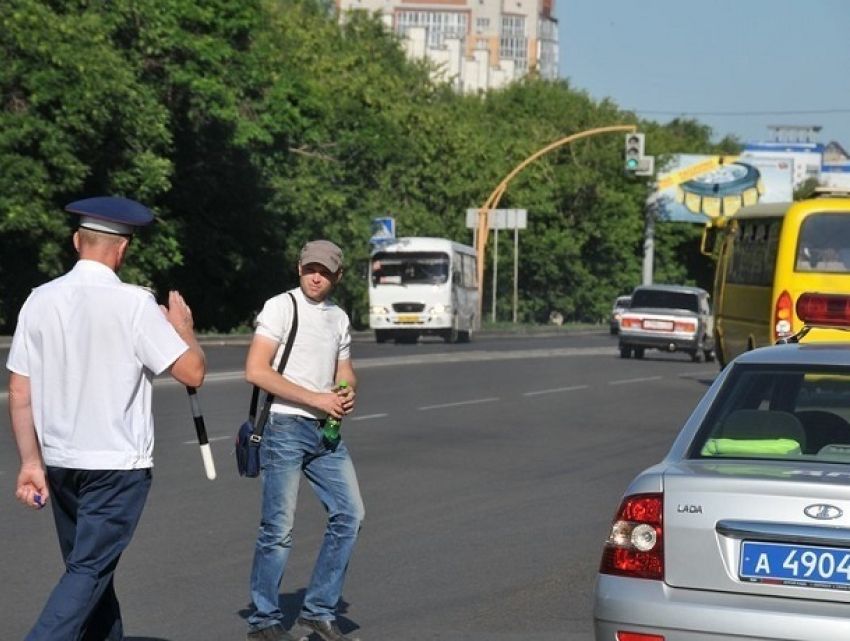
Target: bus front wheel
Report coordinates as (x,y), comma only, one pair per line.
(451,334)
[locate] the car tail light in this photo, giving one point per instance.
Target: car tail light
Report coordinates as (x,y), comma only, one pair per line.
(638,636)
(685,326)
(832,310)
(629,322)
(783,316)
(635,547)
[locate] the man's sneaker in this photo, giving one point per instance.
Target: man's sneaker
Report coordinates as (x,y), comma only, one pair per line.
(327,630)
(273,633)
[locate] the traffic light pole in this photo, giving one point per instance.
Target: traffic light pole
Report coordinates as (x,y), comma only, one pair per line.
(493,201)
(649,247)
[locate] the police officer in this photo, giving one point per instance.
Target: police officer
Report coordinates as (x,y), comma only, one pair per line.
(83,357)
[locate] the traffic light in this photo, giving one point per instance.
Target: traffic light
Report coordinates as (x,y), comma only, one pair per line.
(634,151)
(637,164)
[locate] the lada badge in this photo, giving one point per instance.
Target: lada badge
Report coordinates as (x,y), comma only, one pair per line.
(823,512)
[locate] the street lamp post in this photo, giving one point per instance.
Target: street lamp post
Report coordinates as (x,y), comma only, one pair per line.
(493,200)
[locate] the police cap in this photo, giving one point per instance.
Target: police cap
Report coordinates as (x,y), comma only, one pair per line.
(111,214)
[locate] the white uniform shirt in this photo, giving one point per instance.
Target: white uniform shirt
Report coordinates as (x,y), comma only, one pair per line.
(322,339)
(90,346)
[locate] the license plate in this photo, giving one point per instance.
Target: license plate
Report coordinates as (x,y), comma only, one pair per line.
(408,318)
(658,324)
(791,564)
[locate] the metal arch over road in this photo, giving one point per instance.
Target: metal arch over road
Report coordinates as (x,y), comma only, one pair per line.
(493,201)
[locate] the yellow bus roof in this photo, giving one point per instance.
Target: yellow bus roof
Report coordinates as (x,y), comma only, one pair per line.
(773,210)
(762,210)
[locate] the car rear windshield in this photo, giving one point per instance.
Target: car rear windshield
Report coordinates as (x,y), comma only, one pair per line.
(779,412)
(665,300)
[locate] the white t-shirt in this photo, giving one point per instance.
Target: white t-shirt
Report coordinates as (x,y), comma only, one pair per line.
(322,339)
(90,346)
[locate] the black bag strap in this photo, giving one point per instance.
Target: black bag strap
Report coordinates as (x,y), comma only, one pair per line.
(259,425)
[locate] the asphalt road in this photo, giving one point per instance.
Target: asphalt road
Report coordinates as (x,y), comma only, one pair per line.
(490,474)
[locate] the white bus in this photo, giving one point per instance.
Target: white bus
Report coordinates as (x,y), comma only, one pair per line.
(423,287)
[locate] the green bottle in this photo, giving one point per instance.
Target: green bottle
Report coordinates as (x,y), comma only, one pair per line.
(331,429)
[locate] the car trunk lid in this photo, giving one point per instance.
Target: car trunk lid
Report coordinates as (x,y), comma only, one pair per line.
(741,526)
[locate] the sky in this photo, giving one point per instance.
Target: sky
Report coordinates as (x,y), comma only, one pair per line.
(734,65)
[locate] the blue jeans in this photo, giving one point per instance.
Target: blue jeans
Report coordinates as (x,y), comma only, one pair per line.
(292,444)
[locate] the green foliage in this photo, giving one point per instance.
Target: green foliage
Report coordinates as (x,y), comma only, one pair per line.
(251,127)
(806,189)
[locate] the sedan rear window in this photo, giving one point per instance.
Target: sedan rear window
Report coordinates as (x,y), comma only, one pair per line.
(765,412)
(665,300)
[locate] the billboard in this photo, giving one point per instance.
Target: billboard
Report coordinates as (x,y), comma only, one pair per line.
(695,188)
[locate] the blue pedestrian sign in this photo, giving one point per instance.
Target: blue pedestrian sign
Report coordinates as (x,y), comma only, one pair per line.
(383,230)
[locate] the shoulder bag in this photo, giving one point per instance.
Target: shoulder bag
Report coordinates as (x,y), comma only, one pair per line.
(250,433)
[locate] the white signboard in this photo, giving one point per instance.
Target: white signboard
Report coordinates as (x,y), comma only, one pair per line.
(499,218)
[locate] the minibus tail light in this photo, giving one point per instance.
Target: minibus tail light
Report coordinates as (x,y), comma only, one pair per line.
(829,310)
(783,317)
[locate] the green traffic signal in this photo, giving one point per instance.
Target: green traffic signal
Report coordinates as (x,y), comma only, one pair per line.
(634,151)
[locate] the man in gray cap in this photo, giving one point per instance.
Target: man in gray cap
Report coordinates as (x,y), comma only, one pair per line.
(85,351)
(309,391)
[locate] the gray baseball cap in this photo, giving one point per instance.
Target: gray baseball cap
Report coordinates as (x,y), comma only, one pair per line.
(323,252)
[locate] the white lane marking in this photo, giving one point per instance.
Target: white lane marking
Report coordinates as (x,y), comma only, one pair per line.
(635,380)
(458,403)
(712,372)
(556,390)
(368,416)
(368,363)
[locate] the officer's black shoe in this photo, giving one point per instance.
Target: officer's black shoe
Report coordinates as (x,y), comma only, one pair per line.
(327,630)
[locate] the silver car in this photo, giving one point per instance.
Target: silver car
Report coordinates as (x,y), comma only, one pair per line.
(620,305)
(743,530)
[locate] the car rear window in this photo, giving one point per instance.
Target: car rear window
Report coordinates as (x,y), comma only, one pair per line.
(770,412)
(665,300)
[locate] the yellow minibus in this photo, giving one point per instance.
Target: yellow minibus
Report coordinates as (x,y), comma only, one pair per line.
(768,255)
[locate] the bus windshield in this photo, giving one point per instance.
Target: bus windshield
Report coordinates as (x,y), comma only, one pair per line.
(421,268)
(824,244)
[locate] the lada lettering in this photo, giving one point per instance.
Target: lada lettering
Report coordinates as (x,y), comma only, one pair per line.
(689,509)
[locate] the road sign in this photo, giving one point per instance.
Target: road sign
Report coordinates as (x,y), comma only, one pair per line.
(499,218)
(383,230)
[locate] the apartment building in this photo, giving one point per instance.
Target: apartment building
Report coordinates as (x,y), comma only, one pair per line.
(475,44)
